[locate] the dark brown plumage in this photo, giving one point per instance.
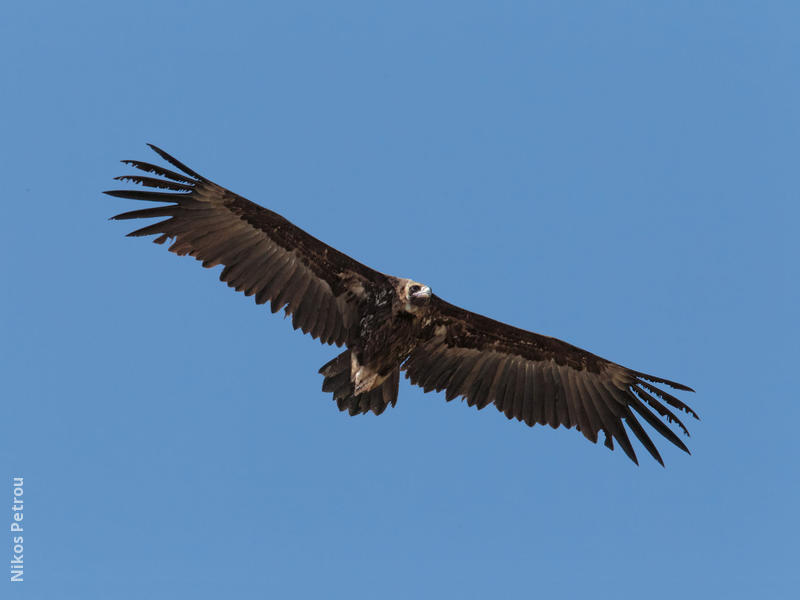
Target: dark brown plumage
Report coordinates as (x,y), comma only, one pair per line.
(389,324)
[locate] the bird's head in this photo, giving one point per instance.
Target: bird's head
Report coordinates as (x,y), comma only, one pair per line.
(415,295)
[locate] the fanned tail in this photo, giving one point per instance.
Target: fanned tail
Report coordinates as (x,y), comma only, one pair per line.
(337,380)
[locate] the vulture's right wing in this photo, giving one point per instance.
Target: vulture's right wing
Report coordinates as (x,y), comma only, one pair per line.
(263,254)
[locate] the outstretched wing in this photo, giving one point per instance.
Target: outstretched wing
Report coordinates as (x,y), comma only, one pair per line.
(539,379)
(263,254)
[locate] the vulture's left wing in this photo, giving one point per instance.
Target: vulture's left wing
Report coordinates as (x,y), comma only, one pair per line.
(263,254)
(539,379)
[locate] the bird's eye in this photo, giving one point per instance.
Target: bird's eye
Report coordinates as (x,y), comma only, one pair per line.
(414,289)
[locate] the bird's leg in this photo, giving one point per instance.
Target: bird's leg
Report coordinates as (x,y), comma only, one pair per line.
(363,377)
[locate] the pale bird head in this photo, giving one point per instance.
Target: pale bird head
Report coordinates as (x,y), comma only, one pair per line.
(417,294)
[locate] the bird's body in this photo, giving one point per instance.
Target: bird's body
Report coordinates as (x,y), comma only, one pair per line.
(391,324)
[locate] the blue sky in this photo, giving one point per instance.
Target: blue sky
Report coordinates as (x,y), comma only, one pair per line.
(620,175)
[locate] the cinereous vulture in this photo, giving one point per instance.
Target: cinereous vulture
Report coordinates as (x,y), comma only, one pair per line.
(390,324)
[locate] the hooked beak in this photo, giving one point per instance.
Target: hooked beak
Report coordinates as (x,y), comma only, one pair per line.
(422,295)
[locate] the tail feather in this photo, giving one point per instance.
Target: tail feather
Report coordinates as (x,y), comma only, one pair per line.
(337,380)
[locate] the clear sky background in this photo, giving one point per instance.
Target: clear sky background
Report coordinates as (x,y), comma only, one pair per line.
(621,175)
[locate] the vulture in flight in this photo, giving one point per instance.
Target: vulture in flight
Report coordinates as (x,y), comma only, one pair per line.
(389,324)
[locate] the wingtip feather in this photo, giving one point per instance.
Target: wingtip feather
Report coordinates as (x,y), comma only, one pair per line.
(670,383)
(175,162)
